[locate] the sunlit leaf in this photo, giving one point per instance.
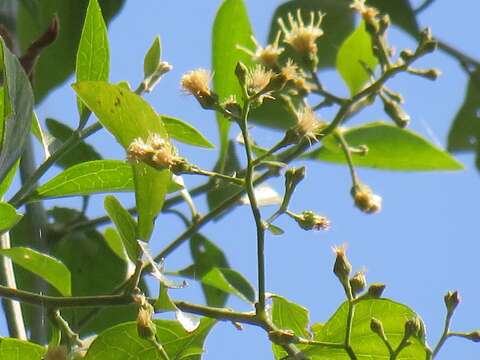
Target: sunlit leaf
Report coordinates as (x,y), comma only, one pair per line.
(15,349)
(230,29)
(185,133)
(40,135)
(127,116)
(122,342)
(93,56)
(152,58)
(48,268)
(8,217)
(390,148)
(354,57)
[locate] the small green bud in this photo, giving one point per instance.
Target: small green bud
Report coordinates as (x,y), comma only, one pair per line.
(407,55)
(294,176)
(241,72)
(282,337)
(473,336)
(342,267)
(308,220)
(452,299)
(365,200)
(376,290)
(358,282)
(430,74)
(377,327)
(427,43)
(413,327)
(395,112)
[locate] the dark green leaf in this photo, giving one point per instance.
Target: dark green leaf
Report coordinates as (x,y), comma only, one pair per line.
(125,224)
(224,190)
(48,268)
(465,130)
(8,217)
(287,315)
(152,58)
(337,25)
(15,349)
(354,54)
(122,342)
(400,12)
(185,132)
(88,178)
(390,148)
(127,116)
(33,18)
(363,341)
(230,29)
(95,270)
(82,152)
(16,120)
(93,56)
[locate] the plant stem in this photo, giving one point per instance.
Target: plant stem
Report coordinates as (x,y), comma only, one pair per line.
(348,156)
(445,334)
(64,327)
(212,174)
(351,312)
(255,209)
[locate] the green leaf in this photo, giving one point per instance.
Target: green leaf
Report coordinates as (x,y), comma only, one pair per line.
(337,24)
(354,54)
(40,135)
(48,268)
(82,152)
(15,349)
(230,29)
(8,217)
(465,130)
(275,230)
(88,178)
(185,132)
(125,224)
(287,315)
(33,18)
(7,181)
(93,56)
(363,341)
(115,243)
(18,108)
(401,13)
(127,116)
(152,58)
(122,342)
(390,148)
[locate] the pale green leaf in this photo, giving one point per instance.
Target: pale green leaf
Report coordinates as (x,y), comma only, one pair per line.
(354,57)
(389,148)
(15,349)
(152,58)
(8,217)
(185,132)
(93,55)
(127,116)
(230,29)
(48,268)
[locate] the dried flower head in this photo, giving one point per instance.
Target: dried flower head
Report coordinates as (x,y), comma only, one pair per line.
(268,55)
(368,13)
(342,266)
(307,123)
(301,37)
(365,200)
(308,220)
(196,83)
(156,152)
(290,71)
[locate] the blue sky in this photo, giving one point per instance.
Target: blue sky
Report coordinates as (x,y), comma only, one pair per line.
(422,244)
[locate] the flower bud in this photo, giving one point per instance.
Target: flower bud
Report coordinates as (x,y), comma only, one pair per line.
(241,72)
(376,290)
(365,200)
(145,327)
(308,220)
(282,337)
(377,327)
(452,299)
(342,266)
(427,43)
(473,336)
(358,282)
(407,55)
(293,176)
(430,74)
(395,112)
(413,327)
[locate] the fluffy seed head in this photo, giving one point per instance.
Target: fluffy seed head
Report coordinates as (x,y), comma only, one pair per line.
(268,55)
(307,123)
(196,82)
